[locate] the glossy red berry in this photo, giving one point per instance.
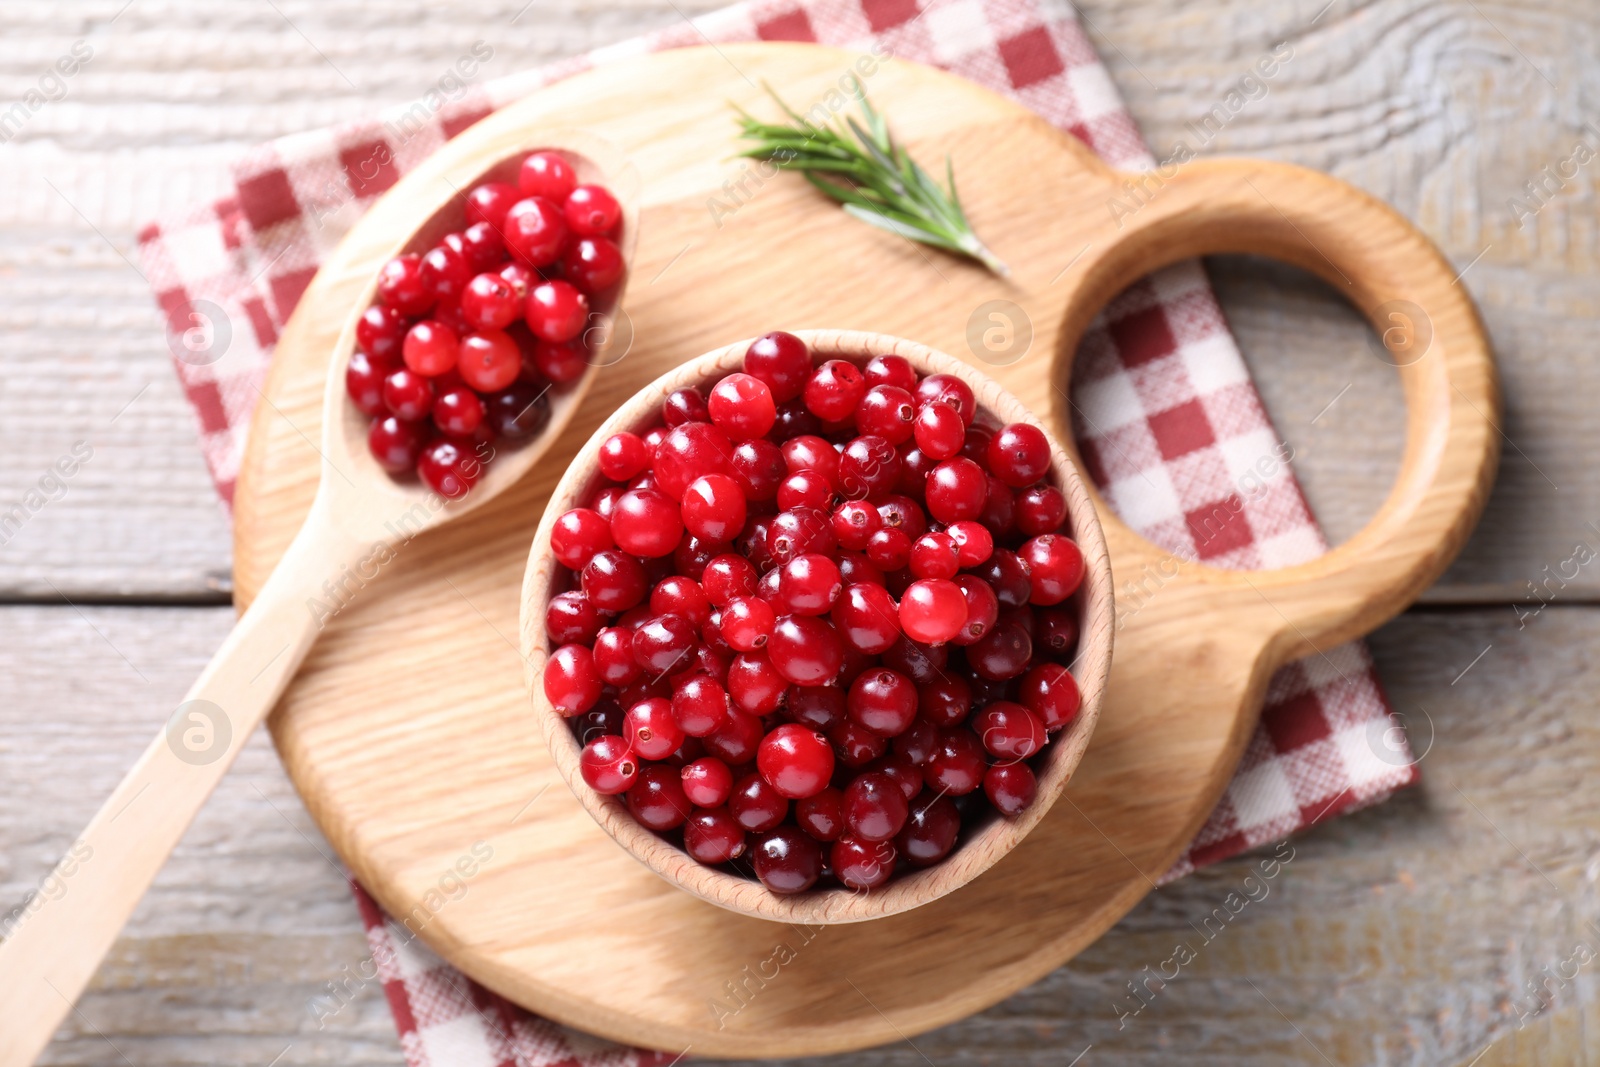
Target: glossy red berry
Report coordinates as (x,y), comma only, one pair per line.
(809,584)
(593,264)
(458,412)
(560,361)
(868,467)
(1009,731)
(490,302)
(974,543)
(930,831)
(646,523)
(700,705)
(614,580)
(446,272)
(782,361)
(787,860)
(400,286)
(1051,692)
(1040,509)
(449,469)
(650,729)
(935,555)
(577,535)
(862,864)
(804,650)
(741,405)
(795,761)
(656,798)
(957,490)
(1002,653)
(535,231)
(822,814)
(571,683)
(430,348)
(891,370)
(747,623)
(957,764)
(883,701)
(888,412)
(364,376)
(756,804)
(591,211)
(714,508)
(1019,455)
(547,174)
(489,202)
(557,311)
(1010,787)
(518,412)
(707,782)
(395,444)
(1055,568)
(713,837)
(608,766)
(380,332)
(874,807)
(623,455)
(684,405)
(932,611)
(939,431)
(834,389)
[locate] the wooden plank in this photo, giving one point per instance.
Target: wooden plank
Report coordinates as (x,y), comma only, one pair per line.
(1405,934)
(132,140)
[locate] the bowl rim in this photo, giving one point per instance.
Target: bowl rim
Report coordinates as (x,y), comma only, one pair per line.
(977,853)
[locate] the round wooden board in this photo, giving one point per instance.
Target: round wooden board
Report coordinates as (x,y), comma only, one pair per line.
(408,731)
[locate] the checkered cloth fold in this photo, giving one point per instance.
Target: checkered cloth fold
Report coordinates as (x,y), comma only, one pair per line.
(1170,426)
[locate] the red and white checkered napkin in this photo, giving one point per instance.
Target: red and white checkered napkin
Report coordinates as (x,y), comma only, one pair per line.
(1170,425)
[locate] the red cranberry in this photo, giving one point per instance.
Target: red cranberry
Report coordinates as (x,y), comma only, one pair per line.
(646,523)
(714,507)
(1055,568)
(901,771)
(614,580)
(593,264)
(482,246)
(1009,731)
(834,389)
(622,456)
(747,623)
(559,361)
(809,584)
(782,361)
(944,702)
(888,412)
(489,202)
(613,656)
(577,535)
(854,523)
(805,489)
(691,451)
(663,644)
(759,468)
(935,555)
(883,701)
(806,651)
(741,406)
(449,469)
(534,231)
(571,619)
(707,782)
(656,798)
(795,761)
(802,531)
(862,864)
(446,272)
(868,466)
(916,745)
(608,765)
(921,663)
(932,611)
(889,549)
(957,765)
(1050,691)
(1008,577)
(983,610)
(939,431)
(756,804)
(395,444)
(999,512)
(755,685)
(400,286)
(822,814)
(547,174)
(458,412)
(488,360)
(735,741)
(684,405)
(1001,654)
(787,860)
(793,419)
(519,412)
(819,707)
(677,595)
(891,370)
(557,311)
(946,390)
(571,683)
(1019,455)
(713,837)
(1057,632)
(874,807)
(1040,509)
(855,745)
(591,211)
(408,395)
(974,543)
(728,576)
(930,831)
(1010,787)
(379,333)
(700,705)
(957,490)
(650,729)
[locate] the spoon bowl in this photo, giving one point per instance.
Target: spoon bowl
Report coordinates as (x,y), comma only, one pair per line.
(359,512)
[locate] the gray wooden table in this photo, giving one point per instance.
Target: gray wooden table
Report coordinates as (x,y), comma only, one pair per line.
(1454,924)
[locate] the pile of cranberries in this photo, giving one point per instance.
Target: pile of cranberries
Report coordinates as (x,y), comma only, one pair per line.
(467,338)
(816,617)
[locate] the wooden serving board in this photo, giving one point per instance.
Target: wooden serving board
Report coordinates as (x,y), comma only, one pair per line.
(409,733)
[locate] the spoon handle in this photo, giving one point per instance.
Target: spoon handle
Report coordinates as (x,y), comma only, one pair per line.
(62,934)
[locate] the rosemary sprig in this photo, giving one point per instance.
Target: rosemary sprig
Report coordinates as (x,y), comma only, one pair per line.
(874,178)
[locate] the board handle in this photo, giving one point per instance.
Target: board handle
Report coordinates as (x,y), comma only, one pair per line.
(1430,330)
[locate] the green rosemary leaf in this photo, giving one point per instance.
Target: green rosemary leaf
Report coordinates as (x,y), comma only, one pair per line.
(859,165)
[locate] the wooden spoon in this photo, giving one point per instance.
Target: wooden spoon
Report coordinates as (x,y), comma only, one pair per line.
(361,518)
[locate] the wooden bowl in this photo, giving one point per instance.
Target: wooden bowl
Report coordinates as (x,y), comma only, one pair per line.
(982,845)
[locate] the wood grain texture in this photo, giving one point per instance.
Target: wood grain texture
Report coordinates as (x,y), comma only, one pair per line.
(983,846)
(452,718)
(1424,102)
(1404,935)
